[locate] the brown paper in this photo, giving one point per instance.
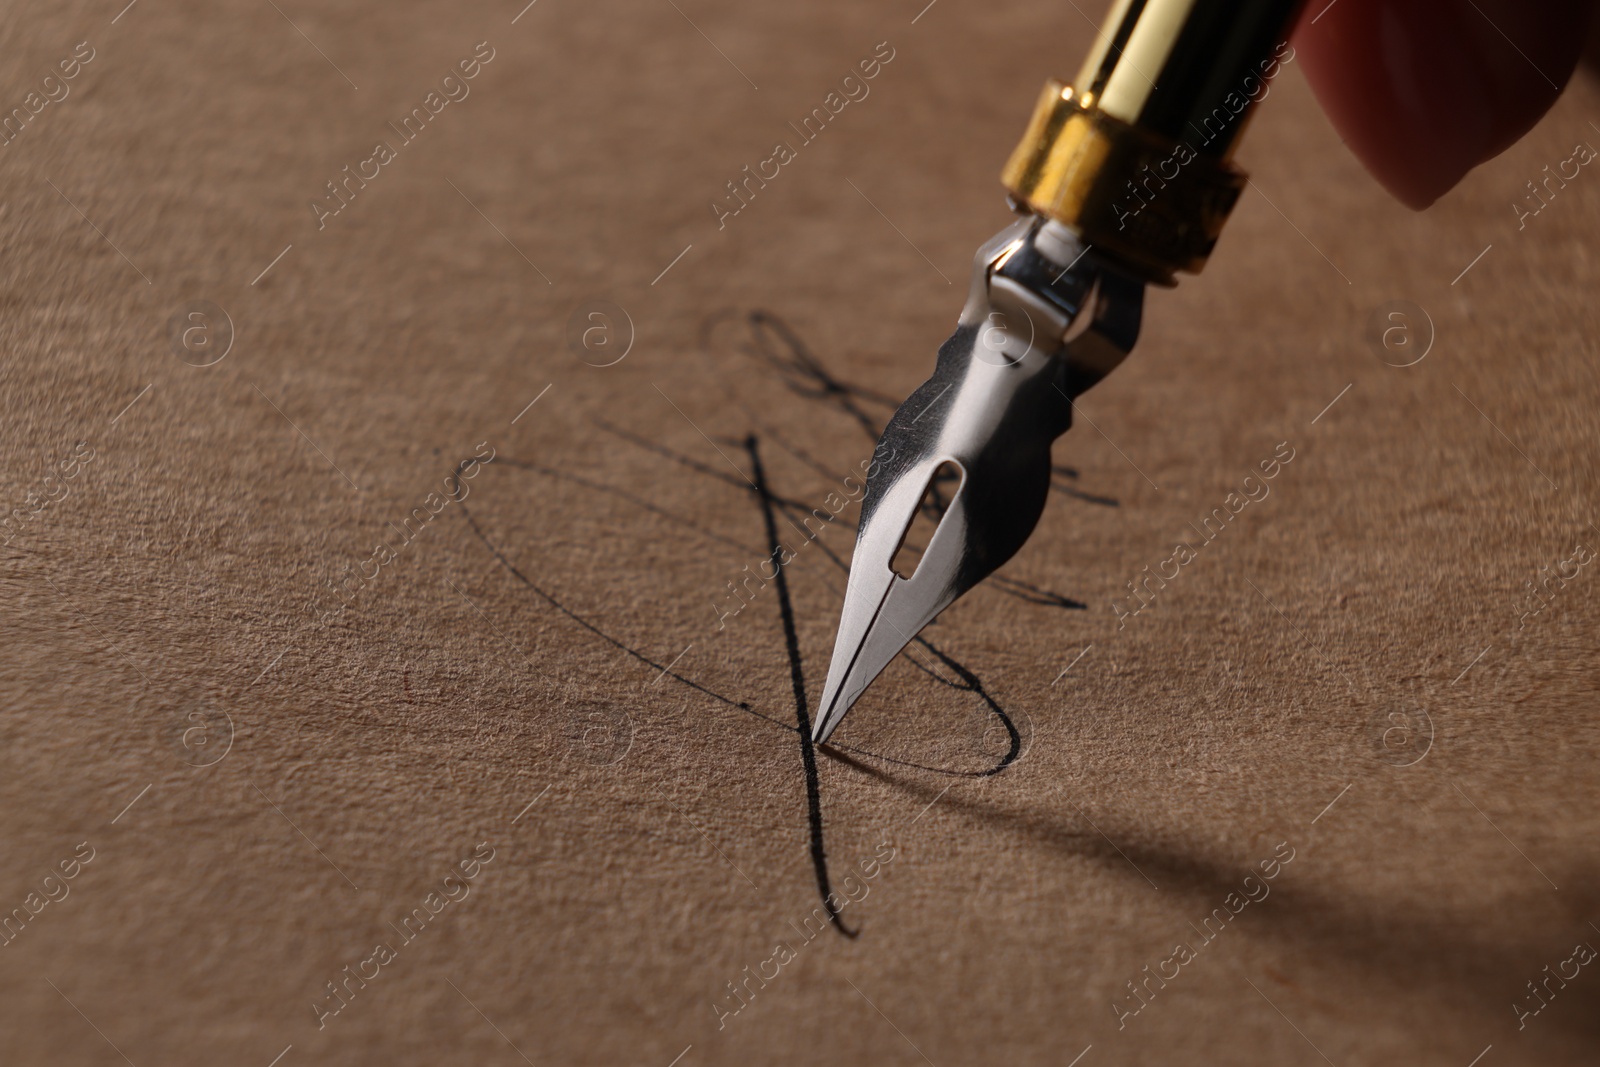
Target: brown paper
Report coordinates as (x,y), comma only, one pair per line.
(402,721)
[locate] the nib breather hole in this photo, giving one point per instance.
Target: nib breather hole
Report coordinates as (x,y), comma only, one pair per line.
(936,499)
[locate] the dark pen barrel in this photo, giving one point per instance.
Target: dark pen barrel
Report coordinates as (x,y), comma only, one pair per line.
(1188,70)
(1135,157)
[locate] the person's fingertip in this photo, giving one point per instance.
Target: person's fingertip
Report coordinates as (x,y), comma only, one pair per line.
(1424,91)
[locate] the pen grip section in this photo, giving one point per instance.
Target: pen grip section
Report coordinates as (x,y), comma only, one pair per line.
(1136,157)
(1187,70)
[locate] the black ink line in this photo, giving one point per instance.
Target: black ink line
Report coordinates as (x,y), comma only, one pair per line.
(1009,586)
(769,432)
(791,637)
(696,465)
(792,511)
(789,513)
(742,705)
(803,374)
(969,683)
(636,501)
(835,748)
(661,450)
(975,685)
(792,507)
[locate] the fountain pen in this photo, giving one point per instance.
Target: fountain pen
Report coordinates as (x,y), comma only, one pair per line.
(1122,179)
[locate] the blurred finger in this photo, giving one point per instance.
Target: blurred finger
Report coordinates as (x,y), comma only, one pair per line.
(1422,91)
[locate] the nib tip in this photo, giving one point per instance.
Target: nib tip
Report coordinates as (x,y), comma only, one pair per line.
(836,700)
(821,731)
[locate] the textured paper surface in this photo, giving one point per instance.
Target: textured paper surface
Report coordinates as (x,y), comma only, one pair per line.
(285,746)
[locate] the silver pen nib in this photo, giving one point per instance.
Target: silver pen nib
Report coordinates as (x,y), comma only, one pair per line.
(1044,320)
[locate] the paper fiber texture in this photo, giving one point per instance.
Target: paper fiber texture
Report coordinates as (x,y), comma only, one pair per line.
(356,710)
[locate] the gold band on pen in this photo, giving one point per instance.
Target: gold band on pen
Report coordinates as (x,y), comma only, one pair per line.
(1155,203)
(1136,155)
